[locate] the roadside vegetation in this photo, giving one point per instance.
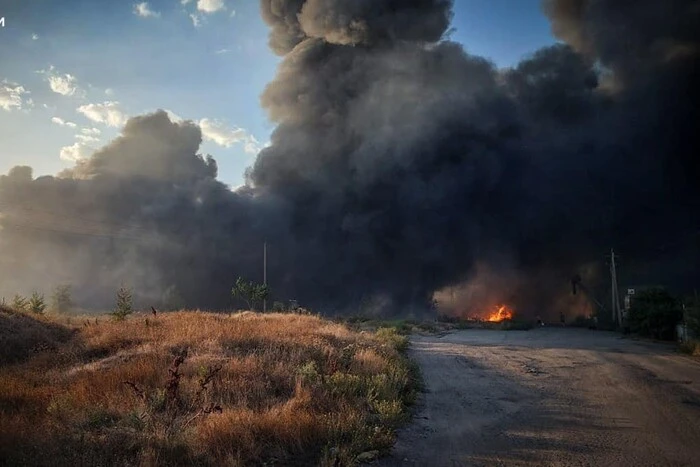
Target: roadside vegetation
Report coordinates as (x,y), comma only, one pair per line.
(655,313)
(691,312)
(193,388)
(437,326)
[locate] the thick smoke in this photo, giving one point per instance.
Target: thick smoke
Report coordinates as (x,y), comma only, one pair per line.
(401,165)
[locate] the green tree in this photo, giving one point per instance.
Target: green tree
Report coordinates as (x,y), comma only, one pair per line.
(61,301)
(655,313)
(250,292)
(692,314)
(37,304)
(125,304)
(19,303)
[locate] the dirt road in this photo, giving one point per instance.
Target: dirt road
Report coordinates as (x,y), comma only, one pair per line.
(552,397)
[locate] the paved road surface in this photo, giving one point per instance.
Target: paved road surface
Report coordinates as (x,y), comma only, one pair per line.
(552,397)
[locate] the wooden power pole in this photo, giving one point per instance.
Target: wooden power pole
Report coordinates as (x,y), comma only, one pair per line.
(265,274)
(616,313)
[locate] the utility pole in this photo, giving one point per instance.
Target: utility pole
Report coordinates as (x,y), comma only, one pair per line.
(265,274)
(616,313)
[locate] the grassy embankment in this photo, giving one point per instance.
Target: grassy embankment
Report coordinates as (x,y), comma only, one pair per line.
(443,324)
(198,389)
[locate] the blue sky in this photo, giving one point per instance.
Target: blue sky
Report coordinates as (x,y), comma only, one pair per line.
(71,71)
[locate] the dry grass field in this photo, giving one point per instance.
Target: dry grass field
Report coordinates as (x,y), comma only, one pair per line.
(196,388)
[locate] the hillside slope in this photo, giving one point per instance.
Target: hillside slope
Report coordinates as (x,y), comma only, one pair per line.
(196,388)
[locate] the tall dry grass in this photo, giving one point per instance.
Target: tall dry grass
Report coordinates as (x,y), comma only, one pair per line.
(249,390)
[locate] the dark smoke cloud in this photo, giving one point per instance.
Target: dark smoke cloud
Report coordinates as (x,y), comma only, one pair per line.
(402,165)
(354,22)
(629,37)
(146,210)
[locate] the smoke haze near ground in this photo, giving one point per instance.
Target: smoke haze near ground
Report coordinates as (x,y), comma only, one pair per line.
(400,165)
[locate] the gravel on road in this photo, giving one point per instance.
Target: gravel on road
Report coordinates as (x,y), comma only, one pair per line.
(551,397)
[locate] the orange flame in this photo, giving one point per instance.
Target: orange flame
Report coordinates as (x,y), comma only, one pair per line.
(502,313)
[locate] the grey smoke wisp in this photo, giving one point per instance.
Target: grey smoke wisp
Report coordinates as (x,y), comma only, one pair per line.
(400,165)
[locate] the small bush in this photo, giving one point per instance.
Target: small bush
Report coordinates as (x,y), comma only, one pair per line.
(61,301)
(250,292)
(390,412)
(655,313)
(19,303)
(393,338)
(37,304)
(692,314)
(308,373)
(125,304)
(427,326)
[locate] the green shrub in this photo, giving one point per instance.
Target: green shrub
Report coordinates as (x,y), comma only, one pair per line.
(393,338)
(125,304)
(692,314)
(36,303)
(61,301)
(655,313)
(308,373)
(347,385)
(250,292)
(390,412)
(19,303)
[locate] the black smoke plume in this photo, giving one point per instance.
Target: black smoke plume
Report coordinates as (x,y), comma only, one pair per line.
(400,165)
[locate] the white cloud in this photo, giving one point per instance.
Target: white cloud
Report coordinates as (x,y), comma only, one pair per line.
(84,146)
(79,150)
(196,20)
(61,122)
(109,91)
(86,138)
(35,37)
(144,11)
(64,84)
(184,2)
(91,131)
(11,96)
(219,133)
(175,118)
(233,13)
(210,6)
(222,51)
(252,146)
(107,113)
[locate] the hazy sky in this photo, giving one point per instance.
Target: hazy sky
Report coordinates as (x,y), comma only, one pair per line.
(72,71)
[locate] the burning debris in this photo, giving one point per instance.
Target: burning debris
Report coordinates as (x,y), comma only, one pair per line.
(399,164)
(501,313)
